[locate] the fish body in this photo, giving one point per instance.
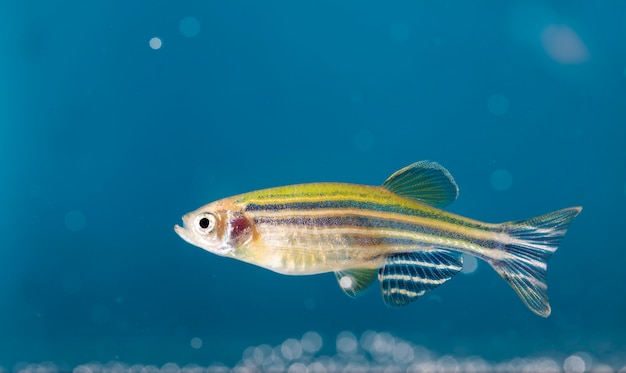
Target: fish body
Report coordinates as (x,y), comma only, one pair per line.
(396,232)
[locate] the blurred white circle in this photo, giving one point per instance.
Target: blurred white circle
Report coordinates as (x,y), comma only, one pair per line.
(311,342)
(291,349)
(155,43)
(469,264)
(196,343)
(346,343)
(574,364)
(346,282)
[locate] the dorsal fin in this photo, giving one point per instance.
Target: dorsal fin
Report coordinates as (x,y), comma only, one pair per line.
(354,282)
(407,276)
(425,181)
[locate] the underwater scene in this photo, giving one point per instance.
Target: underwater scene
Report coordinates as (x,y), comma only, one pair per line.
(428,141)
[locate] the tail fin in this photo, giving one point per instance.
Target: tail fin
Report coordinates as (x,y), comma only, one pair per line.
(523,261)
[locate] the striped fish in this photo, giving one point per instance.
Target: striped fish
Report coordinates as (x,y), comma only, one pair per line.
(396,232)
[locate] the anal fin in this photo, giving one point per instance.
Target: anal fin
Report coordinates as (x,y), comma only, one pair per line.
(407,276)
(354,282)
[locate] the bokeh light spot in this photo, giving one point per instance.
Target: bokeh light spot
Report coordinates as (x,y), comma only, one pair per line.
(189,27)
(563,44)
(196,343)
(470,263)
(501,180)
(346,343)
(345,282)
(291,349)
(75,220)
(498,105)
(311,342)
(574,364)
(155,43)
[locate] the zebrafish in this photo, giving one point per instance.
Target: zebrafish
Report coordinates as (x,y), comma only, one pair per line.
(396,232)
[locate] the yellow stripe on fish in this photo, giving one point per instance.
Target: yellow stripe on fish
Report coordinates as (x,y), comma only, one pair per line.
(396,232)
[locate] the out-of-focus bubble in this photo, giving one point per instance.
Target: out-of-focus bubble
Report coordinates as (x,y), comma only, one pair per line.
(155,43)
(346,343)
(291,349)
(170,368)
(470,263)
(367,340)
(498,104)
(77,369)
(150,369)
(196,343)
(345,282)
(546,365)
(403,353)
(189,27)
(364,140)
(563,44)
(447,364)
(115,367)
(75,220)
(501,180)
(475,364)
(383,346)
(399,32)
(317,367)
(574,364)
(382,352)
(256,355)
(297,368)
(437,42)
(311,342)
(189,368)
(602,368)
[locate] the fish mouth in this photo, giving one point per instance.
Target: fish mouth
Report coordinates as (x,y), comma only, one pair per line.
(182,232)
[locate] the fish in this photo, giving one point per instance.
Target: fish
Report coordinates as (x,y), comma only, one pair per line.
(397,232)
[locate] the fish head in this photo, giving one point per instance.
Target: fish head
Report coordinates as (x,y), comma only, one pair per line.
(219,227)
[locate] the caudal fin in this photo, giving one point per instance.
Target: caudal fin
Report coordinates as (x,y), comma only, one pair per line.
(523,260)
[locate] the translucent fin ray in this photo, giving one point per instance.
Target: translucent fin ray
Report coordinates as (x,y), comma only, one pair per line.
(407,276)
(354,282)
(424,181)
(524,263)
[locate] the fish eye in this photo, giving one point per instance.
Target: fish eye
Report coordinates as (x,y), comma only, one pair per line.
(205,222)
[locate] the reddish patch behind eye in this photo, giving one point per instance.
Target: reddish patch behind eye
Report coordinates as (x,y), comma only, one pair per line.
(238,226)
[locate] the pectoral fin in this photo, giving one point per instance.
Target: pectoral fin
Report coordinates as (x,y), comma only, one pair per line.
(407,276)
(354,282)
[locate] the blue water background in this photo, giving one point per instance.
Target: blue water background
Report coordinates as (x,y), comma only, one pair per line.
(106,142)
